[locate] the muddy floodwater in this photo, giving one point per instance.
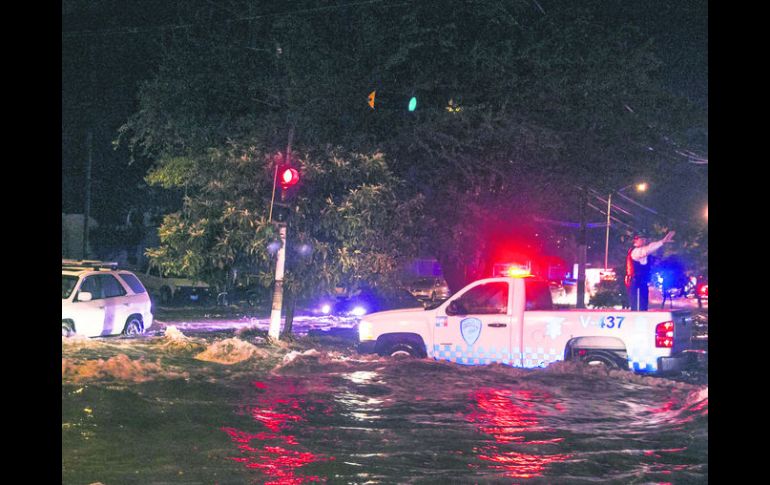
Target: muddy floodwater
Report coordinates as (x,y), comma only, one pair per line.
(226,408)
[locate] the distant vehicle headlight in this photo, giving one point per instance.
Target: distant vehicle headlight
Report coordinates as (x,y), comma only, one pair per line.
(358,311)
(365,331)
(326,309)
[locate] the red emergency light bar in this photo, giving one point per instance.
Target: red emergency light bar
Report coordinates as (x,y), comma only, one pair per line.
(518,272)
(513,270)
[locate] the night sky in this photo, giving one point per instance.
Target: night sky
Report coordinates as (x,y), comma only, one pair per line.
(108,50)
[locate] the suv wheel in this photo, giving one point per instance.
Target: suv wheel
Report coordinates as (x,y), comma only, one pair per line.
(133,326)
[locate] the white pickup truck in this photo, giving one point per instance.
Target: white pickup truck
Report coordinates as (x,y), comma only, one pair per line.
(512,321)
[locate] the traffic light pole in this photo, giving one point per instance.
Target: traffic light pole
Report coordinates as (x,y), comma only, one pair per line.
(274,331)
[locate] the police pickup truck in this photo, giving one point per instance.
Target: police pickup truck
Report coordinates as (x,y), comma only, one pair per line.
(512,321)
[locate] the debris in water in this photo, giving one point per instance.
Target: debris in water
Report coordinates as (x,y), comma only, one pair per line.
(120,367)
(174,339)
(231,351)
(294,354)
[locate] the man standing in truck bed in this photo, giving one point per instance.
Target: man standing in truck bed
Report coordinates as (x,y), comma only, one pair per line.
(638,269)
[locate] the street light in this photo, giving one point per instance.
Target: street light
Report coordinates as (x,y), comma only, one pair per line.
(640,187)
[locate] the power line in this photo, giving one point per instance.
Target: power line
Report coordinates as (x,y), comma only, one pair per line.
(613,219)
(614,205)
(168,27)
(637,203)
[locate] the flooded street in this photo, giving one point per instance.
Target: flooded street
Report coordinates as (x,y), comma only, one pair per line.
(182,407)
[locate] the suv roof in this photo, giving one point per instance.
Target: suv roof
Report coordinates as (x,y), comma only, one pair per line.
(79,266)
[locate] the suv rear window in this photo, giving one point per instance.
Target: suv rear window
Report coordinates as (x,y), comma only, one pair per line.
(133,282)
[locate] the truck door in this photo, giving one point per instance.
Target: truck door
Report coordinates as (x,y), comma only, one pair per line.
(476,329)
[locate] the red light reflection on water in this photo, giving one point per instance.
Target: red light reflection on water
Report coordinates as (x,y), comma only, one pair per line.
(280,406)
(679,412)
(507,415)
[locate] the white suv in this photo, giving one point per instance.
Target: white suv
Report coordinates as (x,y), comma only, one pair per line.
(99,299)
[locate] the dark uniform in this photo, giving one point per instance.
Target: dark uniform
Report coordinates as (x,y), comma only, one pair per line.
(638,276)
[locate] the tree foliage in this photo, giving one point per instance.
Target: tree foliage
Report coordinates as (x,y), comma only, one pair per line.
(545,96)
(347,226)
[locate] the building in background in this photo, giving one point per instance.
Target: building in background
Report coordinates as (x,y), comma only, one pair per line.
(72,236)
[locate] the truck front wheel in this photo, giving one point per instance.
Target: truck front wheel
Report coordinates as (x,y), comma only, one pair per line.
(401,350)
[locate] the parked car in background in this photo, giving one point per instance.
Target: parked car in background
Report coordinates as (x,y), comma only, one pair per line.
(431,288)
(98,299)
(170,289)
(366,301)
(370,301)
(240,295)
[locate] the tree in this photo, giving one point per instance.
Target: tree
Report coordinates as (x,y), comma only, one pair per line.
(548,99)
(551,102)
(348,225)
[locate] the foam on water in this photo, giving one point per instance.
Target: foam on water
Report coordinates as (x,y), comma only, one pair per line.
(120,367)
(231,351)
(175,340)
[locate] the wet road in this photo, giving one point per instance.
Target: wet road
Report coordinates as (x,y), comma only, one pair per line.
(192,403)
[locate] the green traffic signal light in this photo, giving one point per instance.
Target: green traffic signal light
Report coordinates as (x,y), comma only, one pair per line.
(413,104)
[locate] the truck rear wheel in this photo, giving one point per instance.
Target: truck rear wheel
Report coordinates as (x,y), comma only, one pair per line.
(600,358)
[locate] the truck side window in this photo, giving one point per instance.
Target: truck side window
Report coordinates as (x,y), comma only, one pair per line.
(538,296)
(489,298)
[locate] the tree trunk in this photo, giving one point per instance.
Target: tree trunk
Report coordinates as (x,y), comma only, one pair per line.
(454,274)
(289,303)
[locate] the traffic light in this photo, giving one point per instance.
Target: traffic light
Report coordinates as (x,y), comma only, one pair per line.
(370,100)
(413,104)
(288,177)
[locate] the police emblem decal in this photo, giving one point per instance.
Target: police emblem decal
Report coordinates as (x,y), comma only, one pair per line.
(470,329)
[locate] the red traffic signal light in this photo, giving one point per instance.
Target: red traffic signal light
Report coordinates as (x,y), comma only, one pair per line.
(288,177)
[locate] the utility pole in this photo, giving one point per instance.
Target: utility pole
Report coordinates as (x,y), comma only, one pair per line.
(89,146)
(274,332)
(87,208)
(582,249)
(607,232)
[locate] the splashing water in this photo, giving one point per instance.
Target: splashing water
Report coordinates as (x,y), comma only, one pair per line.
(159,413)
